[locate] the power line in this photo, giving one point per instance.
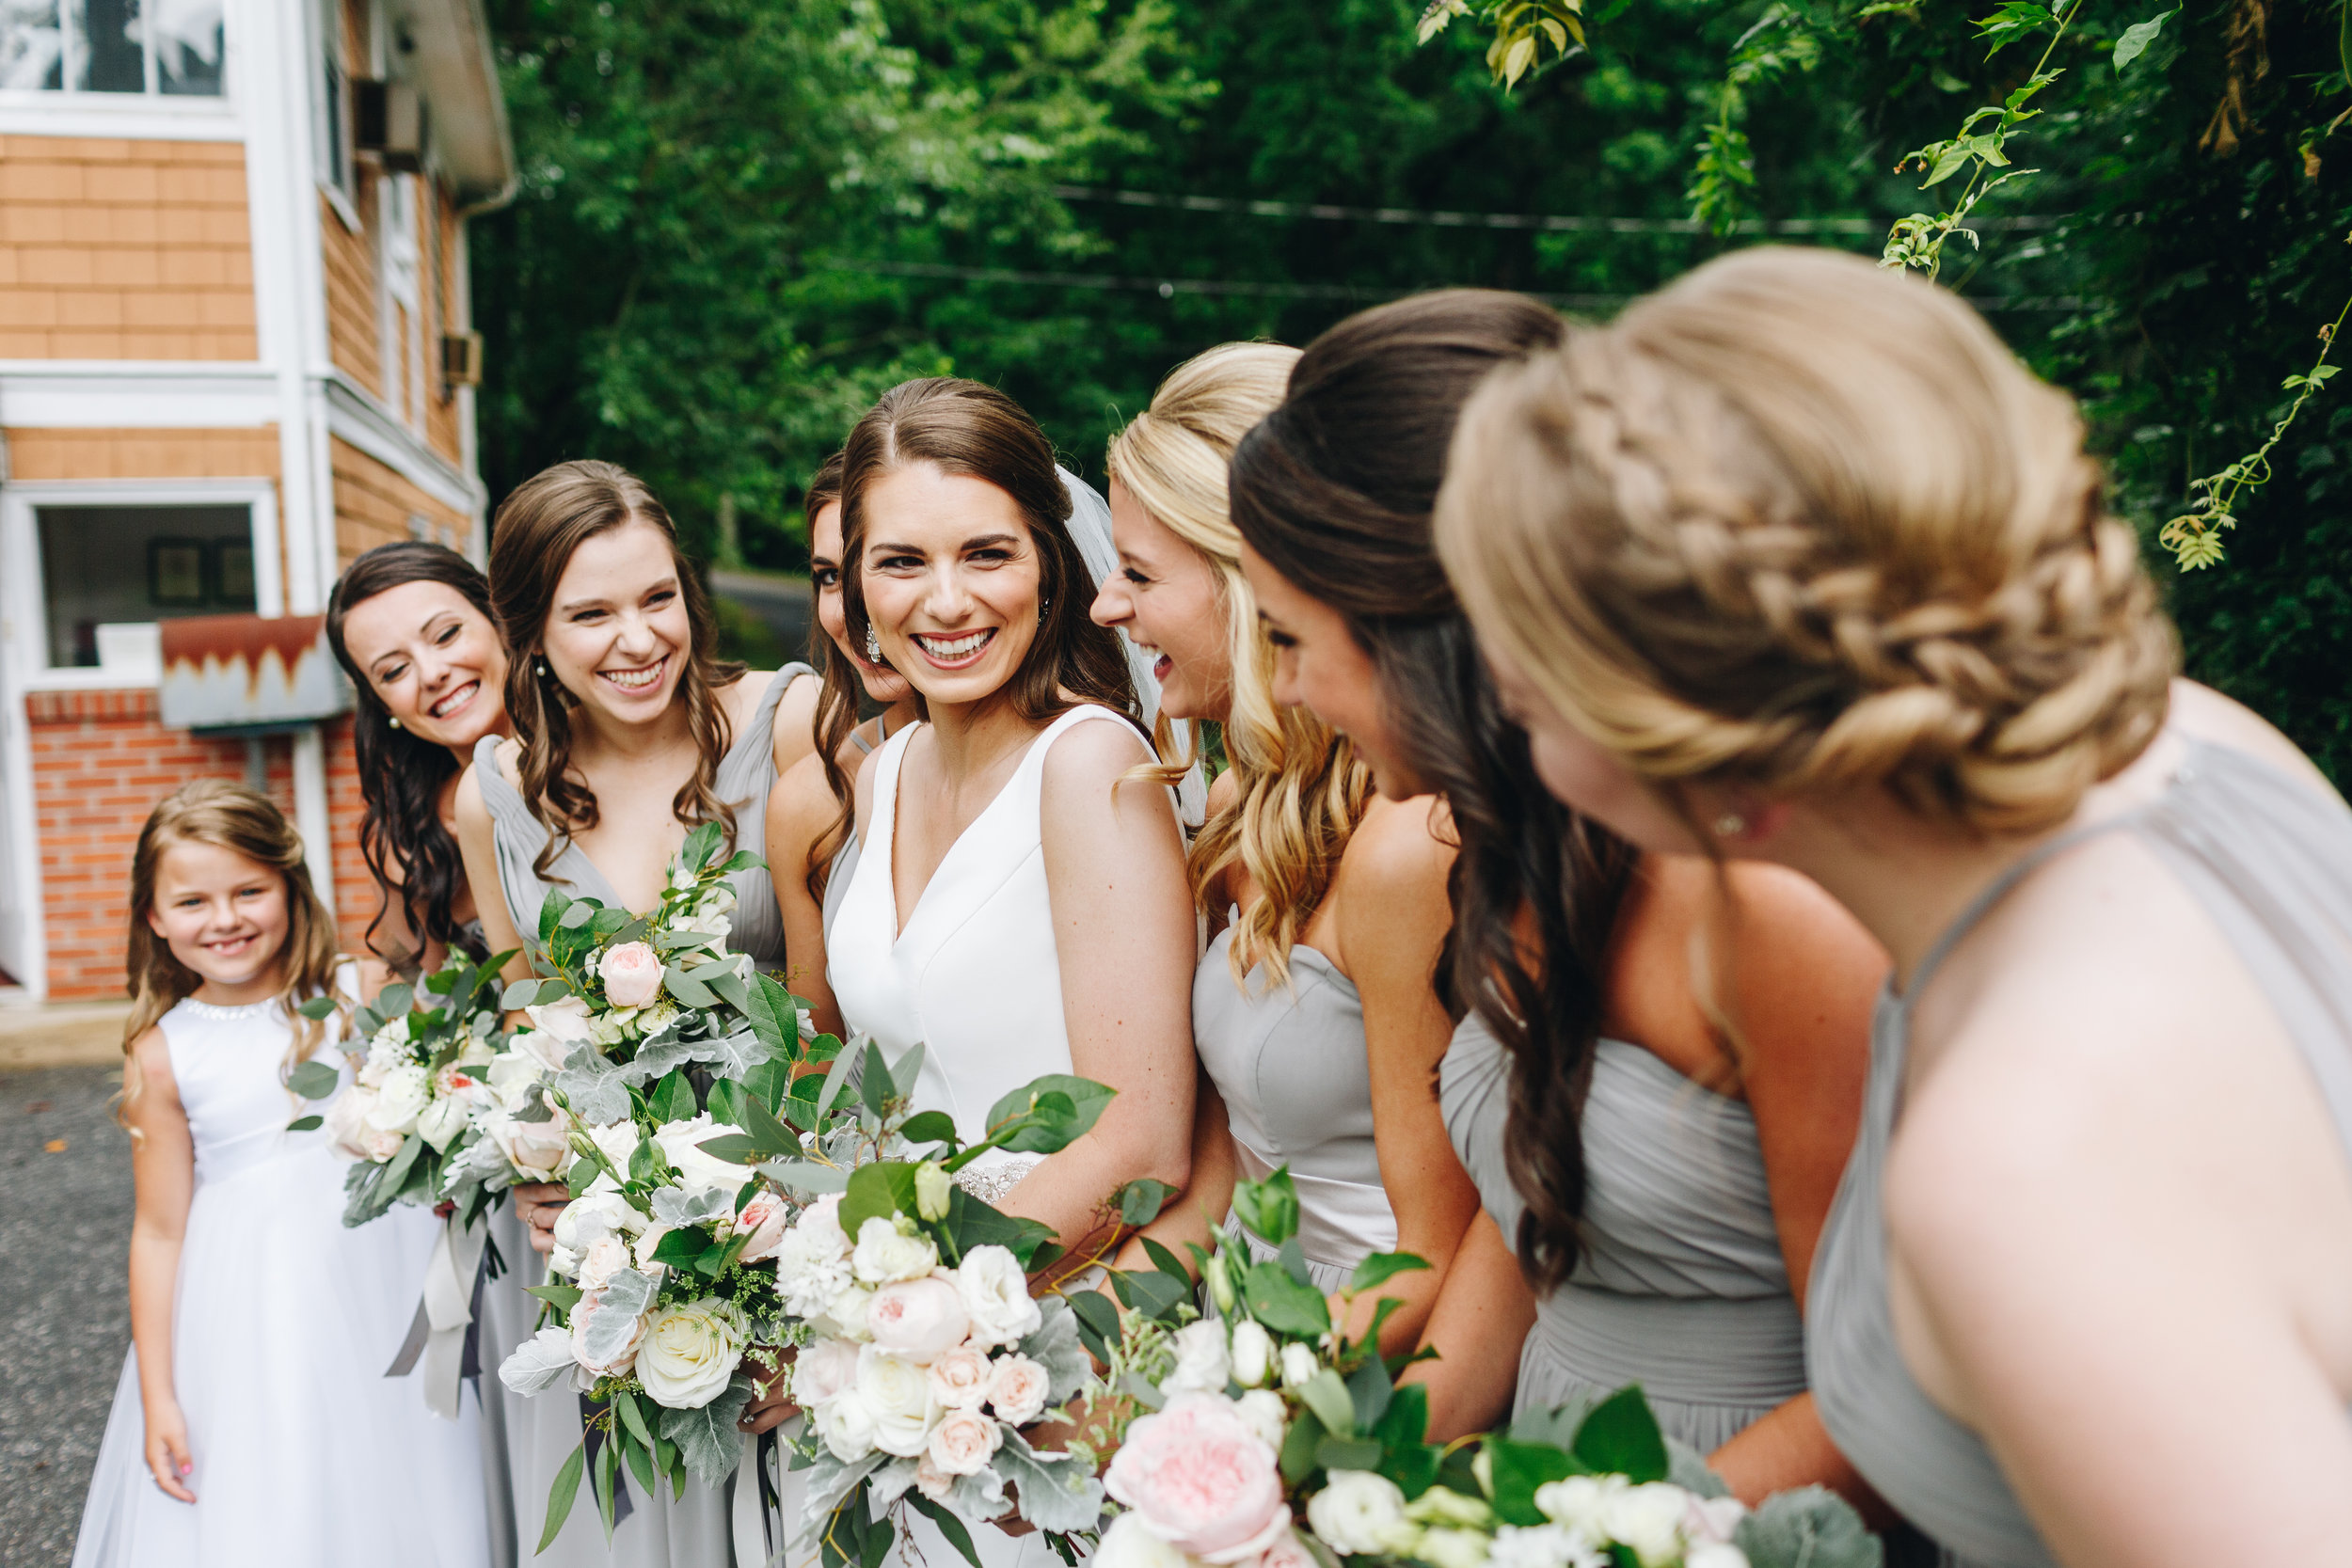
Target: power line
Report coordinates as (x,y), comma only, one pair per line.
(1546,223)
(1169,287)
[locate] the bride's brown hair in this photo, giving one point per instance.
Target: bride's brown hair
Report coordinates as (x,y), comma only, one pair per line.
(537,529)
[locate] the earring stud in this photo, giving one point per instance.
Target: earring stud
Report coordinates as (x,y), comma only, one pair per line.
(1730,825)
(396,723)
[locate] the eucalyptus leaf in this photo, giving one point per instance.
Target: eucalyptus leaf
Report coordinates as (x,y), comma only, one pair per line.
(807,1178)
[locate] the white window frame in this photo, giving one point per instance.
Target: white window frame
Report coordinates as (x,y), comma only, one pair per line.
(149,114)
(22,606)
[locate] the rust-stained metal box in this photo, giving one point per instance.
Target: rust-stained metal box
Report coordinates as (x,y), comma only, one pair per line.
(248,672)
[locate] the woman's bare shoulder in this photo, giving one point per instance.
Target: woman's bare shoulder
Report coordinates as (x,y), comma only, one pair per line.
(2207,715)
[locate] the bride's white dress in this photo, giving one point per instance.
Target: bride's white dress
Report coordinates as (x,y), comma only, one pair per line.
(284,1321)
(973,976)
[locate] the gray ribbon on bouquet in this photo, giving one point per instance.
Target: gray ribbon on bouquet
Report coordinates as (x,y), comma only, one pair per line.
(441,1333)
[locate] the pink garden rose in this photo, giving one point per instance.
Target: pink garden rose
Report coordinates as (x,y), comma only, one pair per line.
(960,1378)
(917,1319)
(824,1372)
(585,1313)
(763,1220)
(632,974)
(538,1149)
(963,1443)
(1288,1551)
(1018,1388)
(348,1130)
(1203,1480)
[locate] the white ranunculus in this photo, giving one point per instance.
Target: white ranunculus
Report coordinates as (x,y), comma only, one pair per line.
(689,1353)
(699,1172)
(1252,1353)
(997,1293)
(1263,1408)
(599,1260)
(1130,1543)
(585,1219)
(1201,1364)
(899,1393)
(512,1076)
(886,1255)
(848,1311)
(1360,1511)
(1580,1502)
(1298,1366)
(847,1425)
(565,1020)
(402,1095)
(1545,1546)
(548,1051)
(1649,1519)
(441,1122)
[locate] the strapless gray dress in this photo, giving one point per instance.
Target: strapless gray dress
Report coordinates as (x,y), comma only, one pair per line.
(695,1530)
(2269,859)
(1680,1285)
(1290,1064)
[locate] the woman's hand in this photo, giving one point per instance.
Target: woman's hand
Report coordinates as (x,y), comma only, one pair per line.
(168,1458)
(769,1407)
(536,1204)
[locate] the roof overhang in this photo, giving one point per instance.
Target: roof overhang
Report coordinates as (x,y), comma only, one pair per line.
(455,67)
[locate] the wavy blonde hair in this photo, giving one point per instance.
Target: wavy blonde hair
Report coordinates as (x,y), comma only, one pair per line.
(1299,790)
(243,822)
(1807,524)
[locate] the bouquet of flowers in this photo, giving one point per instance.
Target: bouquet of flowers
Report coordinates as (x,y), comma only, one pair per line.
(1276,1443)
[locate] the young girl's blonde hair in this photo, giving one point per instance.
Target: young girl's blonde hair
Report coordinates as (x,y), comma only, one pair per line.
(243,822)
(1301,790)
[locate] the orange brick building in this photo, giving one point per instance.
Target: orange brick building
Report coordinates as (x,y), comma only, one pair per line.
(235,351)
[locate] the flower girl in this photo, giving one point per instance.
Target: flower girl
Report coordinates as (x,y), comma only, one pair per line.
(253,1422)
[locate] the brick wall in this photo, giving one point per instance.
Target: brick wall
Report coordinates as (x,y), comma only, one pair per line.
(101,761)
(114,249)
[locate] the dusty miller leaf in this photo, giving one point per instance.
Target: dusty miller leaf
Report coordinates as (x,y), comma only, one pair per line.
(706,1437)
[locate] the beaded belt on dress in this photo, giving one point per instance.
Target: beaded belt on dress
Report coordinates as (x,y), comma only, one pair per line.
(991,1181)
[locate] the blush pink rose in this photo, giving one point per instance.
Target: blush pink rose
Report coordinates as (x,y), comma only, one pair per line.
(632,974)
(960,1378)
(1288,1551)
(824,1372)
(932,1481)
(537,1150)
(917,1320)
(585,1313)
(1203,1480)
(963,1442)
(1018,1388)
(763,1220)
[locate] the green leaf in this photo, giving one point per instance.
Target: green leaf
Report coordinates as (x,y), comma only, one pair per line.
(314,1080)
(1326,1395)
(1369,1389)
(837,1078)
(1517,1470)
(626,1405)
(1809,1525)
(688,989)
(874,1083)
(1047,1114)
(950,1526)
(1621,1437)
(1299,1444)
(700,845)
(882,1189)
(562,1297)
(930,1127)
(1283,1303)
(682,1245)
(319,1008)
(1098,1321)
(560,1495)
(775,1015)
(1268,1209)
(1141,1200)
(640,1457)
(1163,1260)
(2136,39)
(1381,1267)
(673,1098)
(1348,1453)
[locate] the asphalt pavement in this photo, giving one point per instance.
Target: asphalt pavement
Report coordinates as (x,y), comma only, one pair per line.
(65,1233)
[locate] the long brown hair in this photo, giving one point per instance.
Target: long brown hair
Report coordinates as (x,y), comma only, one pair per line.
(551,516)
(400,773)
(1335,490)
(963,427)
(243,822)
(838,697)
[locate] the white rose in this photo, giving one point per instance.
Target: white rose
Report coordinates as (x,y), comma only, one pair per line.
(1648,1518)
(599,1262)
(699,1172)
(963,1442)
(546,1051)
(1715,1554)
(960,1378)
(884,1256)
(847,1425)
(689,1353)
(347,1127)
(1263,1408)
(585,1219)
(932,1481)
(900,1395)
(1252,1353)
(512,1077)
(1360,1511)
(403,1094)
(1545,1546)
(1298,1366)
(1201,1364)
(1018,1388)
(1580,1502)
(848,1311)
(566,1021)
(441,1122)
(1130,1543)
(536,1149)
(824,1372)
(997,1293)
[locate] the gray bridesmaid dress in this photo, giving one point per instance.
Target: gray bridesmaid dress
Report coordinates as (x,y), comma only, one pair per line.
(1290,1064)
(695,1530)
(1679,1284)
(2268,858)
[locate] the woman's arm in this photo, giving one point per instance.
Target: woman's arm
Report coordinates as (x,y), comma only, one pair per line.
(1201,1206)
(1390,917)
(163,1177)
(1477,1326)
(800,808)
(1123,927)
(795,734)
(477,845)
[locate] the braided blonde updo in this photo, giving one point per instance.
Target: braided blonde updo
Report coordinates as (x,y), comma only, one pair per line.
(1805,524)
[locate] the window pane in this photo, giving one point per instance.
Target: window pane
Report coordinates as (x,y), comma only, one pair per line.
(106,565)
(188,52)
(32,45)
(112,59)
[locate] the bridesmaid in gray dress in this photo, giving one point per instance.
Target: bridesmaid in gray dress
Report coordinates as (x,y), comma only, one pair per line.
(1796,562)
(1663,1190)
(629,730)
(1313,1011)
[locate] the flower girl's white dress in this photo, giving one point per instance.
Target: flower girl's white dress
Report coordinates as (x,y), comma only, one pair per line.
(305,1452)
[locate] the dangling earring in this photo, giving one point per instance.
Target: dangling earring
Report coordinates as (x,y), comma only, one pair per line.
(873,645)
(396,723)
(543,670)
(1730,825)
(1043,605)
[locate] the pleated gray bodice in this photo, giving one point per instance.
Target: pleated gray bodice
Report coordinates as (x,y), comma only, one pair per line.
(744,775)
(1290,1064)
(1679,1283)
(2268,858)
